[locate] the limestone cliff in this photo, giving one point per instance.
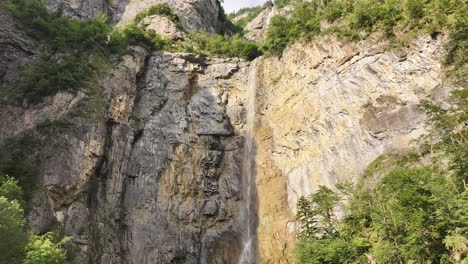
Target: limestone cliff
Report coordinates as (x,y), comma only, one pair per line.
(193,14)
(147,169)
(326,110)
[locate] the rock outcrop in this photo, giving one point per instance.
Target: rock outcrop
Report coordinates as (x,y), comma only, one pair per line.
(194,15)
(163,26)
(257,28)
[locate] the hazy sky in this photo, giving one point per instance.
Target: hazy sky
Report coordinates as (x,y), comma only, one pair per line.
(234,5)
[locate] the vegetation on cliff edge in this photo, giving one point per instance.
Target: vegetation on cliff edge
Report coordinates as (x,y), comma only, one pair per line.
(74,52)
(356,19)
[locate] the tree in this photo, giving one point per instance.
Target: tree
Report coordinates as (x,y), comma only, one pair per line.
(12,238)
(10,189)
(42,250)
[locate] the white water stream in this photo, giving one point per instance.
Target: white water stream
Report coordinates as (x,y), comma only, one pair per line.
(248,255)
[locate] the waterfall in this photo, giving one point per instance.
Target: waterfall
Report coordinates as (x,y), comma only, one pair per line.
(248,255)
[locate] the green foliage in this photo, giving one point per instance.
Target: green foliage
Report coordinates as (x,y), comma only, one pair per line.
(282,3)
(328,251)
(12,237)
(18,160)
(358,18)
(14,247)
(10,189)
(74,51)
(316,213)
(49,75)
(249,13)
(160,9)
(278,36)
(414,9)
(135,35)
(414,214)
(42,250)
(449,134)
(220,46)
(457,47)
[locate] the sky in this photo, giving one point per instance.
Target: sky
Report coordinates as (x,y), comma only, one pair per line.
(234,5)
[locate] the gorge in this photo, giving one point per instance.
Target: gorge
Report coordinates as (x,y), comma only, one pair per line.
(172,155)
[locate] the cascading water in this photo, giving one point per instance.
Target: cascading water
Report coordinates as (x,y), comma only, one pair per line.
(248,255)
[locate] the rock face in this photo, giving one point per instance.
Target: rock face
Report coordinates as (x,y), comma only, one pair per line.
(168,184)
(84,9)
(328,109)
(156,178)
(146,168)
(194,15)
(16,49)
(162,26)
(257,28)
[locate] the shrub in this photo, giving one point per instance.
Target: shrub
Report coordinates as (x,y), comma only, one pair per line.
(42,250)
(159,9)
(48,76)
(352,18)
(278,36)
(414,9)
(13,238)
(10,189)
(11,221)
(221,45)
(75,51)
(14,247)
(18,160)
(282,3)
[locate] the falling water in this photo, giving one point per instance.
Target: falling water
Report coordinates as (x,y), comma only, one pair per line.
(248,183)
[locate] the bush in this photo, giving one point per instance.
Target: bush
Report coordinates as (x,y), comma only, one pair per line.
(14,247)
(414,9)
(159,9)
(10,189)
(48,76)
(18,160)
(75,51)
(282,3)
(353,18)
(12,237)
(11,227)
(278,36)
(72,54)
(326,251)
(222,46)
(42,250)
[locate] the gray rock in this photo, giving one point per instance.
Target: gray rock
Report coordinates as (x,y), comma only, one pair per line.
(163,26)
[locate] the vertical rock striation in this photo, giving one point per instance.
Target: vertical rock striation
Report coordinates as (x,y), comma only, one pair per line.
(169,182)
